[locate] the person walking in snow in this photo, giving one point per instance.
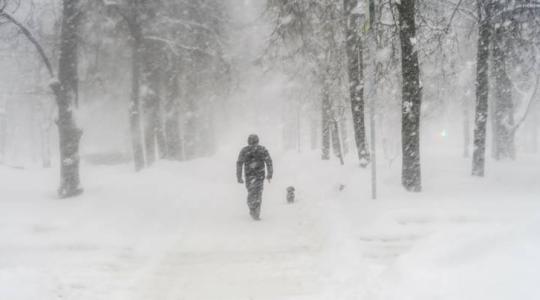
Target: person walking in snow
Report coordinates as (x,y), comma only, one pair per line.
(253,159)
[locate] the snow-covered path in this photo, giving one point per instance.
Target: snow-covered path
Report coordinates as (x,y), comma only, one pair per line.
(177,230)
(218,252)
(182,231)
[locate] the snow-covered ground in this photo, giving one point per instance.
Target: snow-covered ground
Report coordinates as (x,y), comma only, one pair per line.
(182,231)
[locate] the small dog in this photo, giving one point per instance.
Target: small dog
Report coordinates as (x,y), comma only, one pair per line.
(290,194)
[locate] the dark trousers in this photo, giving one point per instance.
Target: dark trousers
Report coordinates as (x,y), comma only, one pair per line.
(254,187)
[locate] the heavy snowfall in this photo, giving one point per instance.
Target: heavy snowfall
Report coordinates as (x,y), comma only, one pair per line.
(270,149)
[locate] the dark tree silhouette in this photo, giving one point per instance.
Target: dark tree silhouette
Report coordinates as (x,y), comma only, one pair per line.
(412,98)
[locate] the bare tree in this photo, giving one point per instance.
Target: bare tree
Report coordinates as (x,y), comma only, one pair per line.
(309,35)
(65,88)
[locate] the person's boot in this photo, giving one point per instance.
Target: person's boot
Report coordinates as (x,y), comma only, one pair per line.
(253,213)
(257,213)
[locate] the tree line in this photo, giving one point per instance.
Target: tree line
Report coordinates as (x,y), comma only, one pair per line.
(355,45)
(174,51)
(360,62)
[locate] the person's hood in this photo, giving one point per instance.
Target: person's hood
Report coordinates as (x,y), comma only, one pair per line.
(253,140)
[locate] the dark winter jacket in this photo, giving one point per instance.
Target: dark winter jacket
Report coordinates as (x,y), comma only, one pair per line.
(253,159)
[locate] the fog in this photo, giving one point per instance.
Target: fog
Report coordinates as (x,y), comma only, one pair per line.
(408,130)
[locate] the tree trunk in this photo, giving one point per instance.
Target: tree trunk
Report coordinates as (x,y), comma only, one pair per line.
(466,128)
(482,89)
(373,147)
(336,141)
(66,98)
(191,130)
(344,133)
(154,137)
(411,98)
(356,78)
(374,46)
(326,106)
(314,130)
(151,120)
(134,108)
(161,137)
(172,117)
(503,117)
